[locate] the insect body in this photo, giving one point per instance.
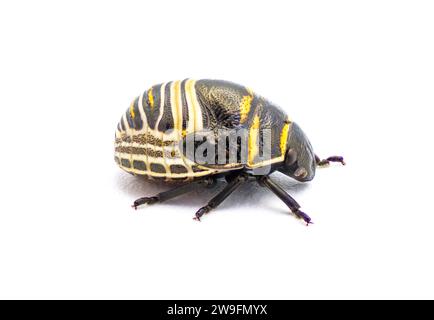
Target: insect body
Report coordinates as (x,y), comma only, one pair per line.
(161,133)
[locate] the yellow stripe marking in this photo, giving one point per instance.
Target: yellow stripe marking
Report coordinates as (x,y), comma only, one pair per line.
(188,91)
(169,176)
(175,105)
(141,112)
(245,105)
(191,123)
(265,163)
(161,134)
(132,110)
(151,98)
(177,120)
(253,140)
(197,112)
(284,137)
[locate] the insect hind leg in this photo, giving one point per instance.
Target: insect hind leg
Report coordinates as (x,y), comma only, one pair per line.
(173,193)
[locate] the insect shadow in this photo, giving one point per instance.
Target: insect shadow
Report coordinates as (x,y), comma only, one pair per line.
(246,196)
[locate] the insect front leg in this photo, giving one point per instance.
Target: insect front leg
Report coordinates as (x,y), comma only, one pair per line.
(265,181)
(173,193)
(327,161)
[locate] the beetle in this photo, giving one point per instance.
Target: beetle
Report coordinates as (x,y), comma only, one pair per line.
(162,133)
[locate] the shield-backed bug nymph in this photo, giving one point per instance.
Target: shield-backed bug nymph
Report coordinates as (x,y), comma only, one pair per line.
(198,132)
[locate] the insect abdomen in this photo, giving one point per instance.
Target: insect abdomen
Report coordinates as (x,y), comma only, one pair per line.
(148,133)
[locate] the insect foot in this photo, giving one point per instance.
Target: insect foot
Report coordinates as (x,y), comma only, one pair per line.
(201,212)
(144,200)
(303,216)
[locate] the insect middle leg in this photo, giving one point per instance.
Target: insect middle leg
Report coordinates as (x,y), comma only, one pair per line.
(173,193)
(327,161)
(285,197)
(222,195)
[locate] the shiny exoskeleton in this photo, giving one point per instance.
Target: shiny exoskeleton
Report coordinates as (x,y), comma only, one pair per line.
(151,138)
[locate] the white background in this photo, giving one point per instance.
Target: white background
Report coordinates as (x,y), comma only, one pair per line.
(358,78)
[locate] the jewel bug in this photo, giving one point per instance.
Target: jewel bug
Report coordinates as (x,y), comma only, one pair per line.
(169,133)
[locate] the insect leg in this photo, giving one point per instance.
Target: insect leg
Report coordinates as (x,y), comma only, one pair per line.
(172,193)
(222,195)
(327,161)
(285,197)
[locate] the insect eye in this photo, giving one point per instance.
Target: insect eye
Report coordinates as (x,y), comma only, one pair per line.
(291,157)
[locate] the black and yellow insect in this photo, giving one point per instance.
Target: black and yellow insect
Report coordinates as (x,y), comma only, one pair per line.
(152,140)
